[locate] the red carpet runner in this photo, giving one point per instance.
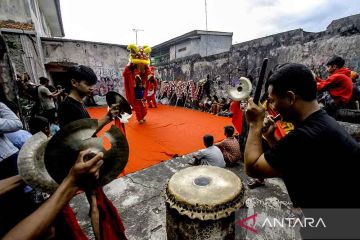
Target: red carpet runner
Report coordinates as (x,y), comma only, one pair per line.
(168,130)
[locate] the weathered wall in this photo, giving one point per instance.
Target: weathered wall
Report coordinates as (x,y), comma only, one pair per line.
(25,55)
(214,44)
(8,88)
(15,10)
(107,60)
(342,37)
(39,21)
(204,45)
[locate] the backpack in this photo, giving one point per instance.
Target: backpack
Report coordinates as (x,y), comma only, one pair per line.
(35,96)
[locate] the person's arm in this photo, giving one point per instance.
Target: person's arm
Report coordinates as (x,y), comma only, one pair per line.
(10,183)
(36,224)
(323,85)
(9,122)
(45,91)
(220,145)
(57,93)
(255,163)
(110,115)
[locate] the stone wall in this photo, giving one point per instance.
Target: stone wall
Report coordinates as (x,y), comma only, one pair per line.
(8,88)
(107,60)
(244,59)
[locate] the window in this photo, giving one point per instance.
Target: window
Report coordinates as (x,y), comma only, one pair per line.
(182,49)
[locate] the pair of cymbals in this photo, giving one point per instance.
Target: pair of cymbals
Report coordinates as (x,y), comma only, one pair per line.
(115,98)
(44,163)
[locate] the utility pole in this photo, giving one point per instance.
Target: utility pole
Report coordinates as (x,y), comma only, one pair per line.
(206,39)
(206,15)
(136,31)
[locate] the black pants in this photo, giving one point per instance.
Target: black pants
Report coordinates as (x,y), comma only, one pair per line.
(8,166)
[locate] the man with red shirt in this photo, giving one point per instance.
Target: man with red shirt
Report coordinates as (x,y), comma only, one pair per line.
(338,85)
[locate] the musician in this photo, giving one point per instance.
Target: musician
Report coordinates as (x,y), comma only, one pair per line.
(308,157)
(38,223)
(281,129)
(81,82)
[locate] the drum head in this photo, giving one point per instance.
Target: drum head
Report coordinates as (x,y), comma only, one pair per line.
(205,192)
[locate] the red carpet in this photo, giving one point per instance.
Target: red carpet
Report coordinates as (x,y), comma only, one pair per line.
(168,130)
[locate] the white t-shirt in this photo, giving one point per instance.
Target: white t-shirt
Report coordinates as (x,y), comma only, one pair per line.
(46,102)
(211,156)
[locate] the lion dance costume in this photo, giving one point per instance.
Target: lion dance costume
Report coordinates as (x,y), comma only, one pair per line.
(150,90)
(136,76)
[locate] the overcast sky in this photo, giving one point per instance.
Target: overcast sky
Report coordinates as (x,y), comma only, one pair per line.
(112,21)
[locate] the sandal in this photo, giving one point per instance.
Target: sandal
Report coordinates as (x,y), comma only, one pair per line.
(256,182)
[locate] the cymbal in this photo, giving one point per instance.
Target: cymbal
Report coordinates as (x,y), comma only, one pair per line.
(63,148)
(114,97)
(31,164)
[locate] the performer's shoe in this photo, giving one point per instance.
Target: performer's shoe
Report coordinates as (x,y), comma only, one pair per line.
(141,121)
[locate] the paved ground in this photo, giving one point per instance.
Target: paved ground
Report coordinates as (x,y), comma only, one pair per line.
(138,198)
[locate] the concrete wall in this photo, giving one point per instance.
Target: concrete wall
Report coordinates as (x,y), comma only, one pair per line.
(107,60)
(204,45)
(16,10)
(39,21)
(342,37)
(25,15)
(184,49)
(210,45)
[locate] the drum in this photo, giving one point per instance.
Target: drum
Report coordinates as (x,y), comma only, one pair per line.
(201,202)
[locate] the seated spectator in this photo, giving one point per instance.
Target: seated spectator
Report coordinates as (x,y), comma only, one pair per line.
(211,155)
(164,99)
(205,104)
(215,105)
(230,147)
(37,124)
(54,126)
(9,122)
(355,98)
(354,76)
(19,137)
(224,108)
(337,88)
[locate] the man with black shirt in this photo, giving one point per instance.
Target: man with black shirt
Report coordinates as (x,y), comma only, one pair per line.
(82,80)
(315,157)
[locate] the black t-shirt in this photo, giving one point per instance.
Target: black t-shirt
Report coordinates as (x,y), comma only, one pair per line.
(319,162)
(71,110)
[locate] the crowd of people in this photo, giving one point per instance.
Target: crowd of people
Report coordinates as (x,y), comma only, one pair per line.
(306,148)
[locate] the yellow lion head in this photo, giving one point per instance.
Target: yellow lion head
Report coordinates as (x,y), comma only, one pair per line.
(139,54)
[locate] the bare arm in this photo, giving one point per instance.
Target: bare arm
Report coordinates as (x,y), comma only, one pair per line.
(10,183)
(255,163)
(55,94)
(113,111)
(39,221)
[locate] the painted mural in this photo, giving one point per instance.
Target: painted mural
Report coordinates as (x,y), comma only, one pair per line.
(109,79)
